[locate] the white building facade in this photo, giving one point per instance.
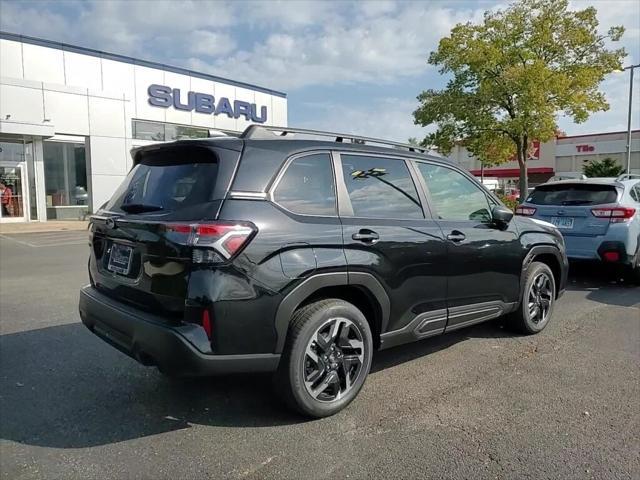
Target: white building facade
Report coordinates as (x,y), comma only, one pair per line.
(69,117)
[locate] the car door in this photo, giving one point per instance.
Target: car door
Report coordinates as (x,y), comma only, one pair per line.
(389,234)
(483,261)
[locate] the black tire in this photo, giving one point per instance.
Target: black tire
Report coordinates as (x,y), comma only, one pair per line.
(533,313)
(308,340)
(633,271)
(632,274)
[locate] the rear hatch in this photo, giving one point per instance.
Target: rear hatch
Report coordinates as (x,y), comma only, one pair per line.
(142,238)
(571,206)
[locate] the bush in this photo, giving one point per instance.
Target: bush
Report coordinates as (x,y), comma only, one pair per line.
(606,167)
(512,204)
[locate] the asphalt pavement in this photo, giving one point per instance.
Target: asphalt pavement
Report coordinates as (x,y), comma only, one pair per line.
(478,403)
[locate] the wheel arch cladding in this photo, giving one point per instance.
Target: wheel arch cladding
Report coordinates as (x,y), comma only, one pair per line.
(364,292)
(548,255)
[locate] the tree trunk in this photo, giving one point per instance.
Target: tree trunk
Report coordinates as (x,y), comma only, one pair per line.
(522,162)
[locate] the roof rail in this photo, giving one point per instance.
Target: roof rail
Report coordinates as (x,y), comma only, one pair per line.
(628,176)
(269,132)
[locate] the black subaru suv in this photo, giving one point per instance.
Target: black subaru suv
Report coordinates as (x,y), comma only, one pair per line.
(303,252)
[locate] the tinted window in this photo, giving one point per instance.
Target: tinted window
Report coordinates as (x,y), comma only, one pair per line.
(454,196)
(380,187)
(307,186)
(170,179)
(635,192)
(573,194)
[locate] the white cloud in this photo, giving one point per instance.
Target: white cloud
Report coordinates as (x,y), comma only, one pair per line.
(211,44)
(134,28)
(289,14)
(388,118)
(377,7)
(372,49)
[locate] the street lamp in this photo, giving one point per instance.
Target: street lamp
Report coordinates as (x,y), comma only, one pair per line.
(631,68)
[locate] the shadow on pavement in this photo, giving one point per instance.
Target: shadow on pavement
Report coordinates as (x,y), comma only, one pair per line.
(62,387)
(605,284)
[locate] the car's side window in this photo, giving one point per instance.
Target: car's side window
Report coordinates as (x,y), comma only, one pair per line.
(307,186)
(453,195)
(635,192)
(380,187)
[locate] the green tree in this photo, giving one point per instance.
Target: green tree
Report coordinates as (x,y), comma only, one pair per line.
(512,74)
(602,168)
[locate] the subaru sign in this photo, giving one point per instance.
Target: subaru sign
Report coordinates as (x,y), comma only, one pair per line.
(165,97)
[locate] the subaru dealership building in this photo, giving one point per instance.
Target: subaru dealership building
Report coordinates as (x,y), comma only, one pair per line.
(69,117)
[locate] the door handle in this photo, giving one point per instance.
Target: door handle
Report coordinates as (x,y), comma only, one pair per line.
(367,236)
(456,236)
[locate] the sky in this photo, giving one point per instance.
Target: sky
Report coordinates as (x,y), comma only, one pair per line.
(354,67)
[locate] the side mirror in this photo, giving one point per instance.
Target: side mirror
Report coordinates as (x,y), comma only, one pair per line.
(501,215)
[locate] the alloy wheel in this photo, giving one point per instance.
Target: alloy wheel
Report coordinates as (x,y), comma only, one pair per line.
(540,298)
(333,359)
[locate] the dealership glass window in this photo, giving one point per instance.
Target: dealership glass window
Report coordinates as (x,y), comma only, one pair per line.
(161,132)
(65,174)
(148,130)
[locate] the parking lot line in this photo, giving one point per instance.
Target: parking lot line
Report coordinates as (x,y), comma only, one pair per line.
(48,240)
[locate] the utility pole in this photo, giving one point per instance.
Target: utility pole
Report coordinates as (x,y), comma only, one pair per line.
(631,68)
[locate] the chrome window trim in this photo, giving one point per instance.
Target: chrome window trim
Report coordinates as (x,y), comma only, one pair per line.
(237,194)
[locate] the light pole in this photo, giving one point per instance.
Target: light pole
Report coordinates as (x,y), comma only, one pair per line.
(631,68)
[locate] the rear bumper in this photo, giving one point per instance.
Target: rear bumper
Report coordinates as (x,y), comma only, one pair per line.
(179,350)
(593,248)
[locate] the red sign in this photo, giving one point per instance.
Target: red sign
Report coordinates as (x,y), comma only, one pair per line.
(532,154)
(585,148)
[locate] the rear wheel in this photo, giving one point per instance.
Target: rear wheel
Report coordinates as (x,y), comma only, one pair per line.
(326,358)
(538,300)
(633,271)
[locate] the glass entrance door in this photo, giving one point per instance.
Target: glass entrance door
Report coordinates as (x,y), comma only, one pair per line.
(12,182)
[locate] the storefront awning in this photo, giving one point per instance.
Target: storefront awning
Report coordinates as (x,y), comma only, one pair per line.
(510,172)
(24,128)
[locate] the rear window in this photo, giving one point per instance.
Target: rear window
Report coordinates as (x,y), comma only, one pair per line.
(573,194)
(167,180)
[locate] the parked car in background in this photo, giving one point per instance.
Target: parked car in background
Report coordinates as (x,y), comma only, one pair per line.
(567,176)
(491,184)
(599,218)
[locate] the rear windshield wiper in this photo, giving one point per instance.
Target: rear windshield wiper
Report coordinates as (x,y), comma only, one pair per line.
(140,207)
(577,202)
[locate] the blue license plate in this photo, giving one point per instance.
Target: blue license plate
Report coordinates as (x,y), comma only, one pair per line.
(562,222)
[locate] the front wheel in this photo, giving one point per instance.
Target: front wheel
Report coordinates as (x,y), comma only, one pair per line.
(326,358)
(538,300)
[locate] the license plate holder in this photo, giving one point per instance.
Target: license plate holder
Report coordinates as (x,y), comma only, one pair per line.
(120,259)
(563,222)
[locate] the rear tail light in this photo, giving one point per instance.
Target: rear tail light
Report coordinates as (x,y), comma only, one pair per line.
(615,214)
(212,242)
(206,323)
(525,211)
(611,256)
